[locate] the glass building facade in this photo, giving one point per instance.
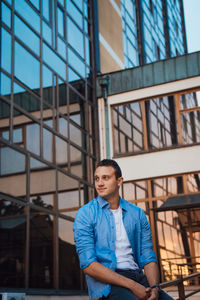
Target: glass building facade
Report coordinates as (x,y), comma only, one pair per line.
(47,154)
(152,30)
(49,139)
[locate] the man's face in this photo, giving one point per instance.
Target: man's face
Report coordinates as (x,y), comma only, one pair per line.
(106,183)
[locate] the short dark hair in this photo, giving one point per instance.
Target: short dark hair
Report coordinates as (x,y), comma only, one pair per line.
(111,163)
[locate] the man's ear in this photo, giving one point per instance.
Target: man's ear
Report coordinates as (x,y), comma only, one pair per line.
(120,181)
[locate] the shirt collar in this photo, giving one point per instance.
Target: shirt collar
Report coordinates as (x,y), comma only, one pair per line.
(103,203)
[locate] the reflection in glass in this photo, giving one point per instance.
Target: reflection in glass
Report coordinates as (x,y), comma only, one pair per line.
(53,60)
(45,9)
(6,14)
(47,145)
(193,182)
(87,50)
(61,150)
(76,136)
(161,122)
(47,83)
(68,259)
(128,135)
(42,181)
(13,242)
(24,33)
(76,62)
(135,190)
(45,201)
(34,163)
(47,33)
(25,10)
(72,199)
(5,86)
(62,101)
(41,249)
(12,161)
(60,21)
(75,13)
(66,184)
(191,127)
(27,68)
(33,138)
(63,126)
(25,99)
(5,50)
(61,48)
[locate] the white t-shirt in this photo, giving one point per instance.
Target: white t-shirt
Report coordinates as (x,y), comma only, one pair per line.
(123,250)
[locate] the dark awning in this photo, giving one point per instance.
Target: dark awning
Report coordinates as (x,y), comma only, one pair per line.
(180,202)
(187,207)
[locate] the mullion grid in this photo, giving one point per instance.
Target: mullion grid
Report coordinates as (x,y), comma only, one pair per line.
(163,121)
(121,132)
(40,121)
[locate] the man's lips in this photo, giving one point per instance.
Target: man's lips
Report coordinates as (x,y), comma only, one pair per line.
(101,190)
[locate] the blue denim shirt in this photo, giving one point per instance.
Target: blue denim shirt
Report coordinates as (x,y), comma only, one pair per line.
(94,235)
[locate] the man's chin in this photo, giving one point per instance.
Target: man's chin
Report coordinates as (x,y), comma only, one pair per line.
(103,195)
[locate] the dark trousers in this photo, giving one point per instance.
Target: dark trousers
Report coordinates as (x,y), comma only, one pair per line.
(119,293)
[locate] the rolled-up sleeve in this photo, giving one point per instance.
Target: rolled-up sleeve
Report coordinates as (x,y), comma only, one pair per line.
(84,237)
(147,253)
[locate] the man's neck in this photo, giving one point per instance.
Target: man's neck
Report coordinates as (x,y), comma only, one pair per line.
(114,202)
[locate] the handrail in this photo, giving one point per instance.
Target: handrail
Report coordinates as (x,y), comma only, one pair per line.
(179,282)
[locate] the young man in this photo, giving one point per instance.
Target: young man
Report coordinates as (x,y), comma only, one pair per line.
(113,242)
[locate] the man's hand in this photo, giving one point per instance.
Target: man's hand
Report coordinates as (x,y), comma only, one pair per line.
(140,291)
(154,294)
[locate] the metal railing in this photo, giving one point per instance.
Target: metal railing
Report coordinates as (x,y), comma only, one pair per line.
(181,287)
(171,269)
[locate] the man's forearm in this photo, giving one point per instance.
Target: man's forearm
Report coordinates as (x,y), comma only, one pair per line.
(152,273)
(106,275)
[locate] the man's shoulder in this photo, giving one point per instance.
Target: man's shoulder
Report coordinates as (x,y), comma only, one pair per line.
(88,207)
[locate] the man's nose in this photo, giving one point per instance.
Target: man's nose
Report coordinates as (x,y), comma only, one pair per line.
(100,182)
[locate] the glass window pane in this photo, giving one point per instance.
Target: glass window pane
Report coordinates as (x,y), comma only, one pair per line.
(27,68)
(26,35)
(33,138)
(47,83)
(47,144)
(75,13)
(61,48)
(46,32)
(61,150)
(76,62)
(54,61)
(28,14)
(61,2)
(41,249)
(9,1)
(60,21)
(68,280)
(13,244)
(5,87)
(6,14)
(78,3)
(87,50)
(36,3)
(45,9)
(75,37)
(5,50)
(25,99)
(12,161)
